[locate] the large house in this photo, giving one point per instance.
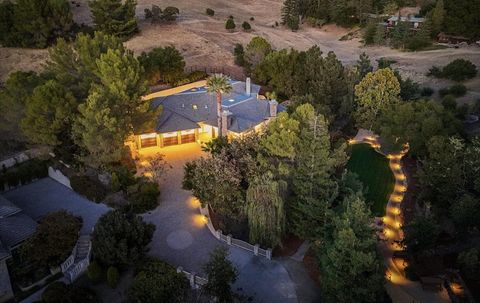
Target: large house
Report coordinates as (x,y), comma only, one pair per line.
(189,114)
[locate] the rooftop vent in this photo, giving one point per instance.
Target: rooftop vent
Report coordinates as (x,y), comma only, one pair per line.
(194,106)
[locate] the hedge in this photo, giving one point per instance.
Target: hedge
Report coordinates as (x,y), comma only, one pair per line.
(24,173)
(91,188)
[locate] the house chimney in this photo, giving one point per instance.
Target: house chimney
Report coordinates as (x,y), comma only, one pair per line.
(248,86)
(272,105)
(225,122)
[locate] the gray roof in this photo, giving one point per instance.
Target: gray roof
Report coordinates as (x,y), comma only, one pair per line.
(185,110)
(407,18)
(15,226)
(7,208)
(46,195)
(16,229)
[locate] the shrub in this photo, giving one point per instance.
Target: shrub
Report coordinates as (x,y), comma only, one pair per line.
(125,177)
(435,71)
(158,281)
(252,19)
(246,26)
(443,91)
(94,272)
(458,90)
(91,188)
(120,239)
(384,62)
(239,54)
(24,173)
(230,24)
(449,102)
(192,77)
(146,198)
(54,239)
(59,292)
(426,92)
(210,12)
(457,70)
(113,277)
(164,64)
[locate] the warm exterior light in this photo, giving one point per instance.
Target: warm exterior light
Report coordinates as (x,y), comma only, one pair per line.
(199,220)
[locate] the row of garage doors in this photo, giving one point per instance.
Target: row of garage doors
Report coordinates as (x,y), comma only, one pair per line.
(169,139)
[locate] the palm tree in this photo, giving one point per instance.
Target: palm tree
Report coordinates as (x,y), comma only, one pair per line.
(219,84)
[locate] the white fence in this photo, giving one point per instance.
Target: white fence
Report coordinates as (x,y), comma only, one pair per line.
(255,249)
(195,281)
(58,176)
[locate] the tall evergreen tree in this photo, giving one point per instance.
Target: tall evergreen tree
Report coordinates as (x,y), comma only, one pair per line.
(290,14)
(313,184)
(364,65)
(437,17)
(13,99)
(49,112)
(351,269)
(34,23)
(114,17)
(113,108)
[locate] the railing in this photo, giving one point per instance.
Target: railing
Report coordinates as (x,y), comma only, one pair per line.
(195,281)
(255,249)
(77,269)
(69,262)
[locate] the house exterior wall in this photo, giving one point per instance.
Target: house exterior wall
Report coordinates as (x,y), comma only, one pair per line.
(6,292)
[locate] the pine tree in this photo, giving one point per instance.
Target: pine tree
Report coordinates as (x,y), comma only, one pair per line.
(290,14)
(49,111)
(313,184)
(114,18)
(351,269)
(113,108)
(364,65)
(437,17)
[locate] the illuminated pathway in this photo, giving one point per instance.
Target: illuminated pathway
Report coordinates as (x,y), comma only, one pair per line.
(400,289)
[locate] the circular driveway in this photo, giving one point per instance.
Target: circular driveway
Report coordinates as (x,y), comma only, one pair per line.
(182,238)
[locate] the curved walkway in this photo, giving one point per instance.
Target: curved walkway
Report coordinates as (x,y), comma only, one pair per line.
(182,238)
(400,289)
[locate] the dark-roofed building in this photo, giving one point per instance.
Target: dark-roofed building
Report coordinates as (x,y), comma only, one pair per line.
(15,228)
(189,114)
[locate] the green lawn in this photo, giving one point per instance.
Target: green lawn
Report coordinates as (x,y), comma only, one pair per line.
(375,174)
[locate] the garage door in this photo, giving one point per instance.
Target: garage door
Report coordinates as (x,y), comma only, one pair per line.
(189,138)
(148,140)
(169,141)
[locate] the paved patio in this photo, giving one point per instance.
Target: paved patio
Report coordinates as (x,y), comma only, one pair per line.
(47,195)
(182,238)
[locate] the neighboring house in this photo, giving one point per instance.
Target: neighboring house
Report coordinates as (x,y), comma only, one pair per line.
(452,39)
(189,114)
(415,22)
(15,228)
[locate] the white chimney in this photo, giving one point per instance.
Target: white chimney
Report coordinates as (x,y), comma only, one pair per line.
(225,122)
(272,105)
(248,86)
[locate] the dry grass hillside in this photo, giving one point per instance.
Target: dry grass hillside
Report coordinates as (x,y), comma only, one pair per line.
(204,41)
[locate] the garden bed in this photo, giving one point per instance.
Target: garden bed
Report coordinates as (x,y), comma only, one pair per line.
(374,172)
